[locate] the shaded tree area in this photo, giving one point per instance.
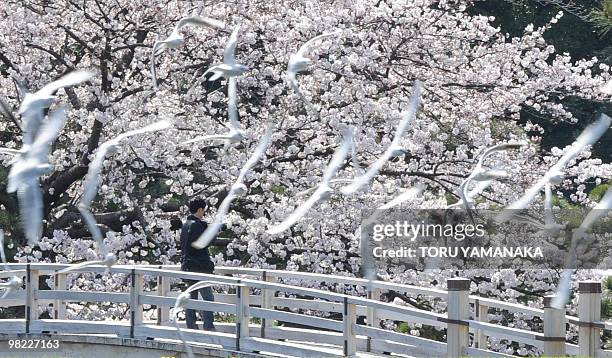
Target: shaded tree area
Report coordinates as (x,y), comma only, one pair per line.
(583,33)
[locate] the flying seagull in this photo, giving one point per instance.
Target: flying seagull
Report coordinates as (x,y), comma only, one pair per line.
(176,39)
(554,175)
(15,282)
(33,104)
(323,190)
(238,189)
(298,62)
(229,67)
(480,173)
(91,189)
(25,171)
(394,148)
(235,133)
(480,186)
(602,208)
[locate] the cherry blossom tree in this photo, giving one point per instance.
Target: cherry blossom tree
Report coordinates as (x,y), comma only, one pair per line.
(477,82)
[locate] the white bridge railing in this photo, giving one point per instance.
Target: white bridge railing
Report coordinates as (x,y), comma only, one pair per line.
(260,300)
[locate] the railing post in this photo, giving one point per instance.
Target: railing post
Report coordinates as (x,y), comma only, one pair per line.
(589,316)
(349,319)
(242,314)
(163,312)
(457,332)
(554,329)
(267,295)
(135,306)
(372,319)
(31,297)
(60,305)
(482,313)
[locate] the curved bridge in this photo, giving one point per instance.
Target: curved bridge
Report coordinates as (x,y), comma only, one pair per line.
(271,315)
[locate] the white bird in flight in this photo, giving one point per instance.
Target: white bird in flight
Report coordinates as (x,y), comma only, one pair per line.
(25,171)
(176,39)
(238,189)
(323,190)
(600,209)
(554,175)
(91,189)
(14,282)
(480,186)
(235,134)
(481,173)
(298,62)
(229,67)
(394,148)
(33,104)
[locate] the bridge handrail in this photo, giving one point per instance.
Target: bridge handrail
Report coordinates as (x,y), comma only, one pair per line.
(352,305)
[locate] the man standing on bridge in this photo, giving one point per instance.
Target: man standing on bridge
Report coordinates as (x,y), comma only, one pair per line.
(197,260)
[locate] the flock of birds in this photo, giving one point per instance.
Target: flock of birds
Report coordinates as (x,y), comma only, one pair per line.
(31,161)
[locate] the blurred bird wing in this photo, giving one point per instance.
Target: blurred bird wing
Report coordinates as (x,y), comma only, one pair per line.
(338,158)
(375,167)
(80,266)
(229,55)
(2,254)
(294,86)
(406,195)
(410,115)
(498,148)
(258,153)
(199,21)
(92,225)
(523,201)
(9,151)
(589,136)
(47,134)
(232,110)
(158,47)
(297,214)
(30,209)
(157,126)
(71,79)
(302,50)
(206,137)
(6,290)
(370,173)
(213,229)
(90,188)
(563,289)
(197,286)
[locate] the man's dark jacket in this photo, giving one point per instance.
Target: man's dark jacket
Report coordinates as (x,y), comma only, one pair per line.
(194,260)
